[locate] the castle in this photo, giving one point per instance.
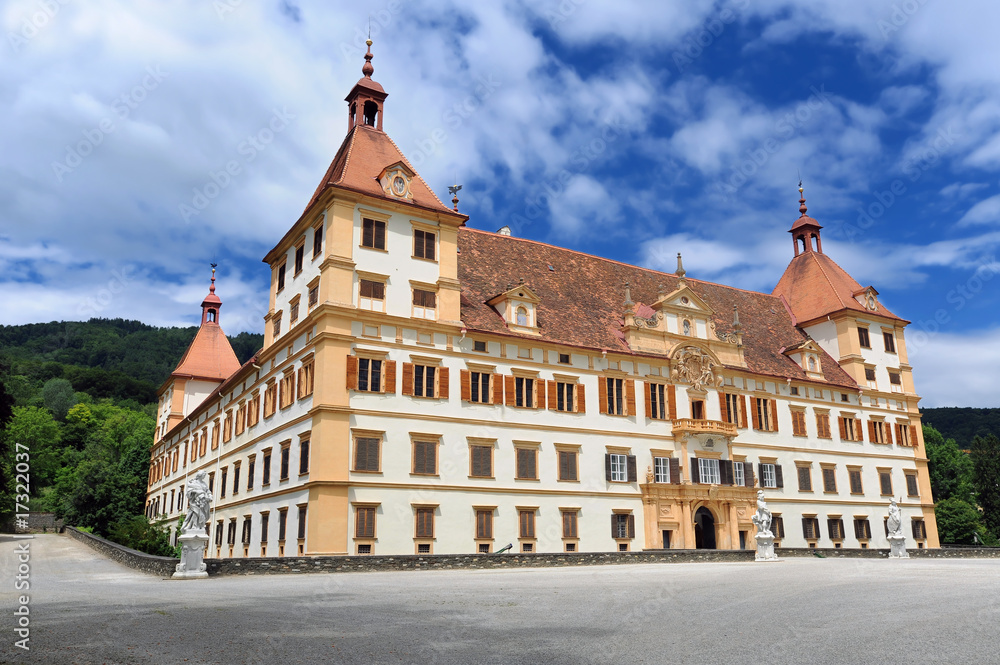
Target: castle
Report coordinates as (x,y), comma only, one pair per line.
(429,388)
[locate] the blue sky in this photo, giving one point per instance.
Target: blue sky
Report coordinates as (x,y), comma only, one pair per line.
(631,130)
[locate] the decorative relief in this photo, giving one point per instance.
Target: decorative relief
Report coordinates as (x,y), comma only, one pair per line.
(730,338)
(694,366)
(651,322)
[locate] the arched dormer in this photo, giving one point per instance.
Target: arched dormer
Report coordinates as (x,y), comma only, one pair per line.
(519,308)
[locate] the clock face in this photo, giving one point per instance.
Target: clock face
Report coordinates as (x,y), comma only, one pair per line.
(871,302)
(399,185)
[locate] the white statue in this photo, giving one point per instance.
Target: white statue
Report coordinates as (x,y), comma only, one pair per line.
(199,498)
(762,518)
(895,522)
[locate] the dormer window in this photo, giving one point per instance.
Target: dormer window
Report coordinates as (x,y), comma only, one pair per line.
(522,316)
(396,180)
(519,308)
(812,363)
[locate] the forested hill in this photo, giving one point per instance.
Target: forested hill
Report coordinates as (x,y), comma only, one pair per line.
(116,358)
(963,423)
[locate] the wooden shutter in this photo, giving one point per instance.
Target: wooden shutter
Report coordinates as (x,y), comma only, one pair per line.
(843,427)
(899,433)
(773,406)
(743,411)
(553,396)
(722,406)
(672,402)
(580,399)
(524,464)
(389,380)
(778,480)
(352,372)
(607,469)
(540,392)
(695,472)
(871,431)
(602,393)
(913,435)
(629,397)
(647,393)
(443,382)
(630,468)
(465,377)
(407,378)
(631,526)
(614,525)
(887,428)
(675,471)
(754,414)
(748,479)
(509,393)
(725,472)
(567,465)
(497,387)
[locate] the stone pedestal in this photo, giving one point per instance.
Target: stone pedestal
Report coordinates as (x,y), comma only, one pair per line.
(192,565)
(897,547)
(765,547)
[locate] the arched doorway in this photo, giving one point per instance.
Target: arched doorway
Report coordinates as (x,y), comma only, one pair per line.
(704,529)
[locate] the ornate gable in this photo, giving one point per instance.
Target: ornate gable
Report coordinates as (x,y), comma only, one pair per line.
(807,355)
(519,308)
(395,180)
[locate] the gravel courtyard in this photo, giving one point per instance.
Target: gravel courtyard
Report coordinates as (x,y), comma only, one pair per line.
(86,609)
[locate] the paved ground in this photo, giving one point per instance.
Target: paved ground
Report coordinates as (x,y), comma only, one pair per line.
(86,609)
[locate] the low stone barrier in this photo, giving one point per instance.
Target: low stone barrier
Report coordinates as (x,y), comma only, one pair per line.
(37,522)
(147,563)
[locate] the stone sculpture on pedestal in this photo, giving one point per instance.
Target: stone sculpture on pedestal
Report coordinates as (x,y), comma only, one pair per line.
(897,541)
(764,537)
(193,537)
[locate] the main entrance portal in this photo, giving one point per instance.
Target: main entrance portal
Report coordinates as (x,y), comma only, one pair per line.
(704,529)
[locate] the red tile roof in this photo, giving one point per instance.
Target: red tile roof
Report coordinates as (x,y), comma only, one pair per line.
(581,301)
(210,356)
(815,287)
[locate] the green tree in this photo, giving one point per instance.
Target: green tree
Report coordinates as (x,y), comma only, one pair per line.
(36,429)
(957,521)
(985,454)
(138,533)
(950,469)
(6,454)
(59,397)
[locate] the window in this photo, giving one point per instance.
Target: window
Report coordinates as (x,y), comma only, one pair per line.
(424,304)
(424,384)
(424,523)
(698,409)
(284,463)
(479,345)
(844,397)
(661,469)
(522,316)
(293,311)
(614,392)
(854,476)
(524,392)
(798,423)
(919,530)
(303,456)
(479,387)
(569,528)
(227,429)
(276,324)
(568,465)
(906,434)
(481,461)
(364,522)
(484,525)
(264,518)
(823,426)
(526,523)
(778,526)
(299,254)
(805,478)
(372,295)
(911,485)
(231,532)
(373,234)
(810,528)
(306,378)
(564,396)
(739,474)
(317,240)
(877,431)
(764,415)
(890,341)
(266,480)
(708,471)
(895,378)
(281,277)
(282,523)
(236,479)
(250,472)
(366,454)
(863,338)
(618,468)
(770,475)
(425,458)
(287,389)
(423,244)
(657,401)
(222,482)
(862,528)
(885,482)
(369,374)
(849,428)
(829,479)
(313,295)
(527,463)
(733,411)
(564,360)
(270,398)
(835,526)
(622,525)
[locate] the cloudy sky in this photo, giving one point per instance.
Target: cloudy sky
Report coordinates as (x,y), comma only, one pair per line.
(627,129)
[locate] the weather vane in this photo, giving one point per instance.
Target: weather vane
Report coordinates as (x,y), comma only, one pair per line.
(453,190)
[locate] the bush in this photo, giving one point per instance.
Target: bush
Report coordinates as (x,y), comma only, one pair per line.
(138,533)
(958,521)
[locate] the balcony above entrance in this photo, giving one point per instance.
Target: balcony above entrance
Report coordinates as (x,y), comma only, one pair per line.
(688,426)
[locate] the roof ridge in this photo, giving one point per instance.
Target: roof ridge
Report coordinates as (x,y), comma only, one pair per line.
(347,158)
(615,261)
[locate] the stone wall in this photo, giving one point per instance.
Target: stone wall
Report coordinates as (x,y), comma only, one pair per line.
(147,563)
(38,522)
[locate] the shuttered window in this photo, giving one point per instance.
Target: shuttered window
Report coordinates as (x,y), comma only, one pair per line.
(484,524)
(264,518)
(615,396)
(835,526)
(425,523)
(267,470)
(482,461)
(373,233)
(849,428)
(364,522)
(317,240)
(911,484)
(369,375)
(862,528)
(829,479)
(425,457)
(569,523)
(302,522)
(889,340)
(770,475)
(524,392)
(622,525)
(661,469)
(423,244)
(366,456)
(919,530)
(885,482)
(805,478)
(479,387)
(564,396)
(810,528)
(424,304)
(283,523)
(618,468)
(527,463)
(567,465)
(304,456)
(855,478)
(778,526)
(764,415)
(798,423)
(281,277)
(823,426)
(731,413)
(424,380)
(863,338)
(708,471)
(526,522)
(372,295)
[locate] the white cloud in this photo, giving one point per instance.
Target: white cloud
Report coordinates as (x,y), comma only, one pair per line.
(946,375)
(986,211)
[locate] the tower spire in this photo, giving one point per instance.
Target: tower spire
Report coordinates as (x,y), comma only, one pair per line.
(364,102)
(802,201)
(211,304)
(805,230)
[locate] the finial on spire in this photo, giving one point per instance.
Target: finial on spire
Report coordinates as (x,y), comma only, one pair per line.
(211,289)
(628,295)
(680,267)
(367,68)
(453,190)
(736,319)
(802,200)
